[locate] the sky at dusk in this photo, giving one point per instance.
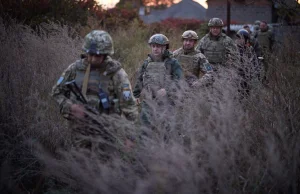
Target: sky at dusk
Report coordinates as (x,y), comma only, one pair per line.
(111,3)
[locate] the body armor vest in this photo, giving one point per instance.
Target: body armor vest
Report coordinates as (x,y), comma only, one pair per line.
(154,77)
(96,82)
(214,52)
(189,65)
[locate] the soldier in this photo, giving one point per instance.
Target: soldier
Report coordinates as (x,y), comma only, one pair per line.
(102,83)
(256,28)
(216,46)
(155,72)
(194,63)
(242,41)
(253,41)
(249,65)
(265,38)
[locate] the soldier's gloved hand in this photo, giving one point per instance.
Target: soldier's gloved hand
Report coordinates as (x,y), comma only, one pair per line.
(161,93)
(77,110)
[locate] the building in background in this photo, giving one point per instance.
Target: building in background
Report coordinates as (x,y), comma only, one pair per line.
(186,9)
(242,11)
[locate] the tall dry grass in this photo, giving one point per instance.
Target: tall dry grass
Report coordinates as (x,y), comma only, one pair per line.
(30,64)
(208,140)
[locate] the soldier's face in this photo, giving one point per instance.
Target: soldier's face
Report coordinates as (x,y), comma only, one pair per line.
(95,60)
(215,30)
(263,26)
(188,43)
(157,50)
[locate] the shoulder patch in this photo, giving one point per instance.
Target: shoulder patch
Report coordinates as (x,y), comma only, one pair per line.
(126,92)
(207,67)
(60,80)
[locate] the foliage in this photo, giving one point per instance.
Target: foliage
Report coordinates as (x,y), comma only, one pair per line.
(288,11)
(129,4)
(158,2)
(203,29)
(27,75)
(134,4)
(34,12)
(116,17)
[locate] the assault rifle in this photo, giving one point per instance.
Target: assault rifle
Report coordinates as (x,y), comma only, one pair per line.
(73,87)
(91,113)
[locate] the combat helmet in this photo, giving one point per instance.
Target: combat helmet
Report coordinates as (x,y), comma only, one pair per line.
(215,22)
(257,22)
(159,39)
(242,33)
(98,42)
(190,34)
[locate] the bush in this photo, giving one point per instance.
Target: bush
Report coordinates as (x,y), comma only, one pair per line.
(117,17)
(35,12)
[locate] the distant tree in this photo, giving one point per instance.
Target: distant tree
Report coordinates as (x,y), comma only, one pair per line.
(288,11)
(34,12)
(157,4)
(130,4)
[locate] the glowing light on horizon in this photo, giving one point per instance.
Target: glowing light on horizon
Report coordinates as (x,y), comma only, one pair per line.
(112,3)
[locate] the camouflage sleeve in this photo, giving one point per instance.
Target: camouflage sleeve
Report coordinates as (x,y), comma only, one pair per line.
(124,92)
(139,82)
(199,46)
(60,93)
(177,72)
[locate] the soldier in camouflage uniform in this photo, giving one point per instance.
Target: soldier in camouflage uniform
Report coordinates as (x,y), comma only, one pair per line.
(154,74)
(218,48)
(102,81)
(265,38)
(256,28)
(195,65)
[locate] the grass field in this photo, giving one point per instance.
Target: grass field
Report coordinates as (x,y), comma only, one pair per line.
(210,141)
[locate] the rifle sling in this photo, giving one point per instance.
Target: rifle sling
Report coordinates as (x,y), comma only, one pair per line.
(86,80)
